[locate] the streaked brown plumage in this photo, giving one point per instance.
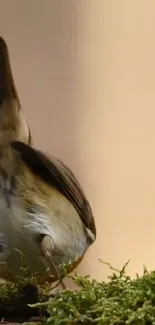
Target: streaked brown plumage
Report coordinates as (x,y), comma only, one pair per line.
(43,210)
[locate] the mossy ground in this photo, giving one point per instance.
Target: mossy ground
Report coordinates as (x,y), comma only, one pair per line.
(16,297)
(118,301)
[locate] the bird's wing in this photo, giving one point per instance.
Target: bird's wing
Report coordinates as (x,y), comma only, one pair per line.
(57,174)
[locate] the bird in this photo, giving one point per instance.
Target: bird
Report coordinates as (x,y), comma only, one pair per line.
(44,211)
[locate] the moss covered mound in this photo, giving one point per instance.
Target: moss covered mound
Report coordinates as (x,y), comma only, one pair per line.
(16,297)
(121,300)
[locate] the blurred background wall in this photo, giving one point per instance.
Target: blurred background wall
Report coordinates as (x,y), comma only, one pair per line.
(85,71)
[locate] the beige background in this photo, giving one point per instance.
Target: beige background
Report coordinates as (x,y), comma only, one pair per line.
(85,70)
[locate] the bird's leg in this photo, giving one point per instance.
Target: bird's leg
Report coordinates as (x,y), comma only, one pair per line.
(47,246)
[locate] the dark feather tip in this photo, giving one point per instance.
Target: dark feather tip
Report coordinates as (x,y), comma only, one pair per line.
(7,85)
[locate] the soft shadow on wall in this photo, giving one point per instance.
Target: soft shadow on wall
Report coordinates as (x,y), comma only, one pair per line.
(42,42)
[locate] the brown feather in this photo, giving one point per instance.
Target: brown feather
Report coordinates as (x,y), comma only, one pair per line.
(57,175)
(13,125)
(7,85)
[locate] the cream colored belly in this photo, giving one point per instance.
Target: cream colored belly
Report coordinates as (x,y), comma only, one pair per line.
(16,242)
(18,229)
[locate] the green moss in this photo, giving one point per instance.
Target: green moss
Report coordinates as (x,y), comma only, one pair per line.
(119,301)
(17,292)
